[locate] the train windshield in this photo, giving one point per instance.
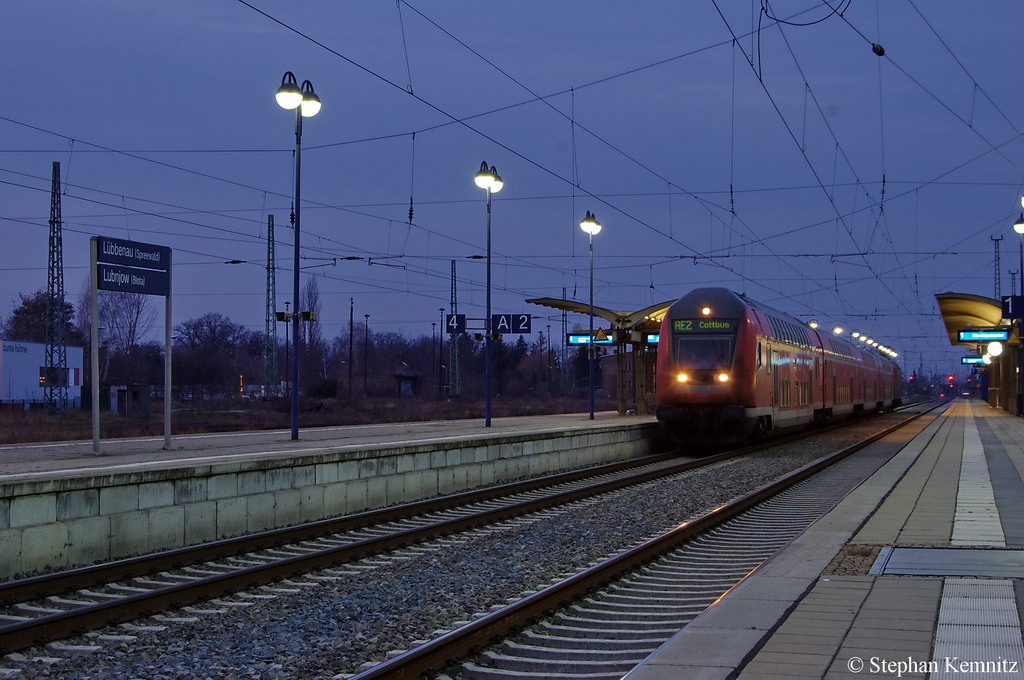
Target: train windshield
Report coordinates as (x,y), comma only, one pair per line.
(703,351)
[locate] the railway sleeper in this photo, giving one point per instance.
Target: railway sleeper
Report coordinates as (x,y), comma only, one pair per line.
(638,601)
(617,617)
(638,614)
(514,663)
(536,639)
(675,622)
(634,633)
(475,672)
(633,656)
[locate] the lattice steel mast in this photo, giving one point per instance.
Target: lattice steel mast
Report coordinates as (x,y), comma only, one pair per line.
(998,276)
(271,379)
(55,378)
(453,345)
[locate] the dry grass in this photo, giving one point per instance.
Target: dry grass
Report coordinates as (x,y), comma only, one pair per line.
(35,426)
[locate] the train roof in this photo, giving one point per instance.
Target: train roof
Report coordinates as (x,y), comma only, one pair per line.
(784,326)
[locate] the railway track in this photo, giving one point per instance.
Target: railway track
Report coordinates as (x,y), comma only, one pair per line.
(602,622)
(47,608)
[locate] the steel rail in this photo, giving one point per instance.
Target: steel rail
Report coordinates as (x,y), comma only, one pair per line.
(50,627)
(35,587)
(447,649)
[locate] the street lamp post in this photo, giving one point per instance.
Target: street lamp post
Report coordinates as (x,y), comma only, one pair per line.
(1018,227)
(306,104)
(487,178)
(366,350)
(286,317)
(591,226)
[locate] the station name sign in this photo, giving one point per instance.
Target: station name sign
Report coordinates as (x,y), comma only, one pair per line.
(982,336)
(704,325)
(132,267)
(132,253)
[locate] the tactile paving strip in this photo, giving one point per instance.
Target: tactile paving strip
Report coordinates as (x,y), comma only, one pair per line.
(978,626)
(977,518)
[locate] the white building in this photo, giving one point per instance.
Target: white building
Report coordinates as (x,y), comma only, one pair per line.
(22,369)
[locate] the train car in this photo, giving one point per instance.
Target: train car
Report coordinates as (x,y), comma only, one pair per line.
(731,370)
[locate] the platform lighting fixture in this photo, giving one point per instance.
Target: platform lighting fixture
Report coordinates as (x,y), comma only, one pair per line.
(1018,227)
(813,323)
(488,180)
(855,334)
(306,104)
(837,330)
(987,359)
(995,348)
(591,226)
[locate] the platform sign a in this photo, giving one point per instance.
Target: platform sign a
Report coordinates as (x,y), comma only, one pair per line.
(511,323)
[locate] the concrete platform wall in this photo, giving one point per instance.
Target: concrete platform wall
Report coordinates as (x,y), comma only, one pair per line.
(75,521)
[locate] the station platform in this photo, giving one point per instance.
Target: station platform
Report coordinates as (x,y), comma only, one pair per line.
(63,505)
(56,460)
(918,573)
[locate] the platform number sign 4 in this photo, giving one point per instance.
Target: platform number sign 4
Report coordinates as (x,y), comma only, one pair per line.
(455,323)
(511,323)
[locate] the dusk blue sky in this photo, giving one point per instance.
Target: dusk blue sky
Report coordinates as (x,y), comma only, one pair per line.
(716,146)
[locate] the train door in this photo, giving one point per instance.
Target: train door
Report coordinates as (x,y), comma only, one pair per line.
(775,385)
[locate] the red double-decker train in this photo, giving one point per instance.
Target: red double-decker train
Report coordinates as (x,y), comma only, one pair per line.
(731,369)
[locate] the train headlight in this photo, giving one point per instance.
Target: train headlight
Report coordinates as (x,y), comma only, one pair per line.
(682,377)
(722,377)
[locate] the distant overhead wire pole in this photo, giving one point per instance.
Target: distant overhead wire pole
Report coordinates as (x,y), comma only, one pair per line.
(56,359)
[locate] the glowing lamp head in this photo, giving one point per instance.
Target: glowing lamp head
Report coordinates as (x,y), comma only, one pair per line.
(995,348)
(837,330)
(289,96)
(590,225)
(706,311)
(1018,226)
(813,323)
(487,178)
(310,102)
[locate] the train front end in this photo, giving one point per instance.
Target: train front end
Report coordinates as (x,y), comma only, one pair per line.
(706,369)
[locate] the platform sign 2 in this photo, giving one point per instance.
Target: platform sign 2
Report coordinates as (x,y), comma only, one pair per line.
(455,323)
(511,323)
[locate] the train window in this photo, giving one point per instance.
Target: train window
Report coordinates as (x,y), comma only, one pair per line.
(817,368)
(703,351)
(759,357)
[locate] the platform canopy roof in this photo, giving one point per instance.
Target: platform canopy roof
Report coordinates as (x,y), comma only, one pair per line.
(963,310)
(624,320)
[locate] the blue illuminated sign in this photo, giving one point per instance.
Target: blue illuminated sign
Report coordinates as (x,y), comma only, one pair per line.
(982,336)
